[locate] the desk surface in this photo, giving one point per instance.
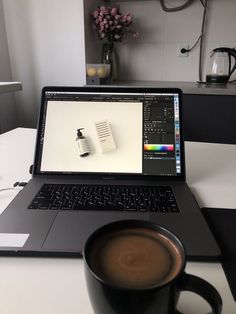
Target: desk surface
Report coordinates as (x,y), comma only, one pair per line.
(57,285)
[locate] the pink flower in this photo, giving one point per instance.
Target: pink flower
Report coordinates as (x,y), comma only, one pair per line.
(129,18)
(111,24)
(113,11)
(101,26)
(135,35)
(95,14)
(106,11)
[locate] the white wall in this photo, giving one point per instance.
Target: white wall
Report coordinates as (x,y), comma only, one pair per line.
(46,47)
(46,43)
(7,103)
(92,45)
(154,56)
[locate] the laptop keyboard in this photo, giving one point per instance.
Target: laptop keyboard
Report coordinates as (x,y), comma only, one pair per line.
(105,197)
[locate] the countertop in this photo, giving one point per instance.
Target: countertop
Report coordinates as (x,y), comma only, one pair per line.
(187,87)
(7,87)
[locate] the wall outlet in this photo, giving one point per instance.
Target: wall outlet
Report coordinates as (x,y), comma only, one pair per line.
(181,53)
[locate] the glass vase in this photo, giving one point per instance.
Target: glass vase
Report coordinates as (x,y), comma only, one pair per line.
(109,57)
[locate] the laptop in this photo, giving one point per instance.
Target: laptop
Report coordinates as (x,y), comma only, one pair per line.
(105,154)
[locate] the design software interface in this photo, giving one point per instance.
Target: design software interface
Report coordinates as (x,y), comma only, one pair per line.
(131,133)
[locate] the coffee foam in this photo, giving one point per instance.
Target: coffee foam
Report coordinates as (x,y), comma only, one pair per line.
(135,258)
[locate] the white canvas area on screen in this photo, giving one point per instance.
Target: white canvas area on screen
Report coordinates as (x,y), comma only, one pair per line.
(60,150)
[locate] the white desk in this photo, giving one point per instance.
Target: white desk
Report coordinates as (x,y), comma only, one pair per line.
(57,285)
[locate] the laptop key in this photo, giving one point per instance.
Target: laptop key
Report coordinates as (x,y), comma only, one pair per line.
(33,206)
(174,209)
(53,207)
(43,207)
(130,209)
(154,209)
(142,209)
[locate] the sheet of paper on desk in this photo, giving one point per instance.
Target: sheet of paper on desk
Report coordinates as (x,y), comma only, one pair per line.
(13,239)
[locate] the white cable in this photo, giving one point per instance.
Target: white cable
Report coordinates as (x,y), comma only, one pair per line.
(8,189)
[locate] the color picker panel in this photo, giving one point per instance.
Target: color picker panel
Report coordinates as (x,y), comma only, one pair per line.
(159,147)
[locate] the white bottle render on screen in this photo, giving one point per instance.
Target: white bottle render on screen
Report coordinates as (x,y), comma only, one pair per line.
(82,143)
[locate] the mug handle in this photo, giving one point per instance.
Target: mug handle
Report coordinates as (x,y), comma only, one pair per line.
(203,288)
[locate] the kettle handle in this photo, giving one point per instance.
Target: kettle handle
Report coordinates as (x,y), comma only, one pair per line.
(232,52)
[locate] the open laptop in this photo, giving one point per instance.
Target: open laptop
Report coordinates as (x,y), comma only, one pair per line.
(105,154)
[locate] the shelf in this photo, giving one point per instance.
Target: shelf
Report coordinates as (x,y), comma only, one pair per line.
(187,87)
(8,87)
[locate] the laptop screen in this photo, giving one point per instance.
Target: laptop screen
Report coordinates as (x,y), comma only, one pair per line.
(110,131)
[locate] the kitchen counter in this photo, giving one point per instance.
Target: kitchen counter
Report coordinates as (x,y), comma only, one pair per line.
(187,87)
(7,87)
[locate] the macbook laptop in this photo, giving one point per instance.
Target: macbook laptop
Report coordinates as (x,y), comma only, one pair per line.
(105,154)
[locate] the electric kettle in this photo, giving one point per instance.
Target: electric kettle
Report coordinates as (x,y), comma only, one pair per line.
(219,67)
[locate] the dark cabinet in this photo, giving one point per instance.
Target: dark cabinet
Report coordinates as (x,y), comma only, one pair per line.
(210,118)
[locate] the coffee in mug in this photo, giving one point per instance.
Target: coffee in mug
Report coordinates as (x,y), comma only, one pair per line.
(137,267)
(135,257)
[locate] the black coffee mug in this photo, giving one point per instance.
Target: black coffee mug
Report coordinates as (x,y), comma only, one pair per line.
(137,267)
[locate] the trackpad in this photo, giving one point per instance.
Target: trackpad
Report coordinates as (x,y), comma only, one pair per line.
(71,229)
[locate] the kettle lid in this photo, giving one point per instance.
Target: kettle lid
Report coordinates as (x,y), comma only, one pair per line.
(224,49)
